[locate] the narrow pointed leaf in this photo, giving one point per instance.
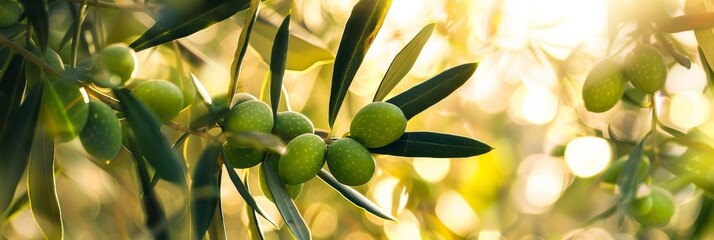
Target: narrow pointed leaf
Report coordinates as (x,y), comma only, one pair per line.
(699,21)
(430,92)
(36,11)
(253,225)
(15,207)
(155,216)
(277,63)
(172,25)
(303,53)
(243,40)
(403,62)
(431,144)
(627,182)
(258,140)
(354,196)
(362,27)
(705,37)
(12,85)
(41,186)
(16,143)
(202,92)
(217,229)
(243,191)
(285,204)
(204,190)
(151,143)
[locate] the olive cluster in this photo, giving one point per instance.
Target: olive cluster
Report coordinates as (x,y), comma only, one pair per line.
(348,159)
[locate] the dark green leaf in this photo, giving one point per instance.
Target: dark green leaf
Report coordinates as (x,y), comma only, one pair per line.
(155,216)
(403,62)
(12,85)
(627,179)
(16,143)
(285,204)
(277,63)
(431,144)
(217,229)
(253,225)
(172,25)
(36,11)
(215,112)
(362,27)
(354,197)
(41,186)
(430,92)
(204,190)
(12,31)
(15,207)
(151,143)
(244,191)
(703,222)
(258,140)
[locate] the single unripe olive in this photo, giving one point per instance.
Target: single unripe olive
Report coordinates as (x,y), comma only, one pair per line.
(51,58)
(242,157)
(64,109)
(603,86)
(659,213)
(350,162)
(249,116)
(163,98)
(303,158)
(102,136)
(114,65)
(645,69)
(612,173)
(10,11)
(378,124)
(239,98)
(293,190)
(186,85)
(289,125)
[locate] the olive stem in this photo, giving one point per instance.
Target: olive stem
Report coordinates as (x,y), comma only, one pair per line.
(81,15)
(654,130)
(180,128)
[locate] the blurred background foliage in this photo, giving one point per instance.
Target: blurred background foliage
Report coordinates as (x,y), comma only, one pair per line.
(524,100)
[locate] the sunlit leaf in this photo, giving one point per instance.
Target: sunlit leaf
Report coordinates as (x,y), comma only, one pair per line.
(12,85)
(627,179)
(15,144)
(302,52)
(243,190)
(700,21)
(36,11)
(403,62)
(42,192)
(277,63)
(362,27)
(354,197)
(204,190)
(705,37)
(257,140)
(285,204)
(172,25)
(431,144)
(430,92)
(242,48)
(151,143)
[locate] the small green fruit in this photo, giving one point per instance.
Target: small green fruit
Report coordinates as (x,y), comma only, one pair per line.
(378,124)
(51,58)
(350,162)
(239,98)
(289,125)
(645,69)
(612,173)
(303,158)
(293,190)
(102,136)
(10,12)
(603,86)
(661,210)
(114,65)
(242,157)
(249,116)
(162,97)
(64,109)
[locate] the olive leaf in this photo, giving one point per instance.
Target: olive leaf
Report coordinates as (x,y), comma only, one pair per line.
(42,192)
(278,57)
(362,27)
(354,197)
(173,24)
(243,41)
(217,229)
(430,92)
(431,144)
(699,21)
(303,53)
(151,143)
(36,11)
(15,144)
(627,180)
(12,85)
(204,190)
(243,190)
(257,140)
(155,216)
(285,204)
(253,225)
(403,62)
(705,37)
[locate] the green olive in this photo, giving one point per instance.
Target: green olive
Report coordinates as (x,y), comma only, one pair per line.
(293,190)
(249,116)
(64,109)
(289,125)
(350,162)
(378,124)
(612,173)
(163,98)
(645,69)
(102,136)
(659,213)
(242,157)
(114,66)
(603,86)
(51,58)
(10,11)
(303,158)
